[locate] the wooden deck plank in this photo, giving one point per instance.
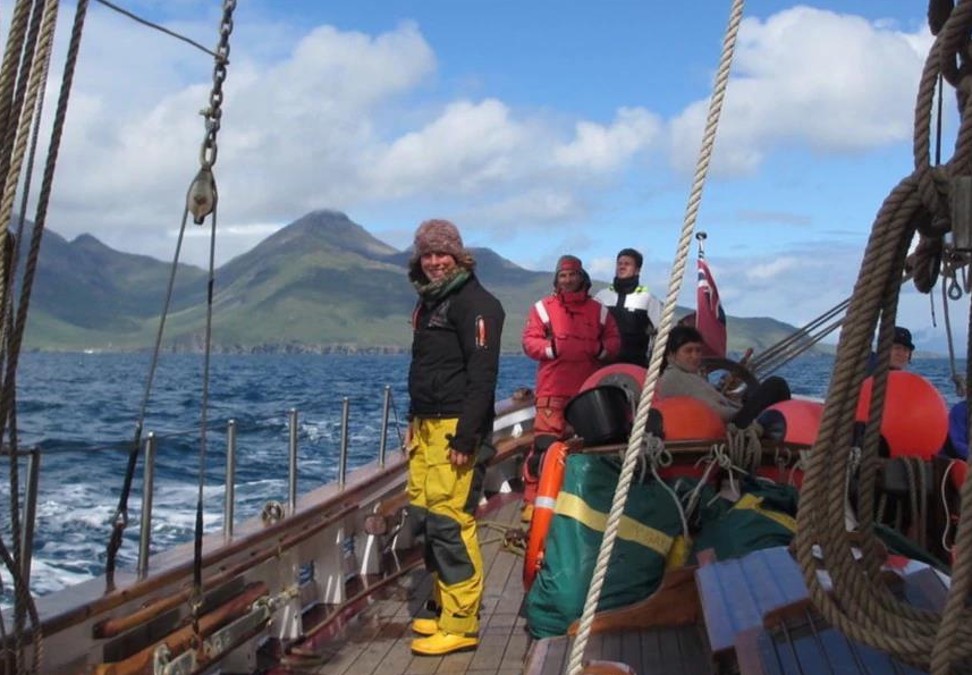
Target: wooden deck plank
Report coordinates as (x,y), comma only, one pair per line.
(490,653)
(650,651)
(516,647)
(397,659)
(809,645)
(378,640)
(630,648)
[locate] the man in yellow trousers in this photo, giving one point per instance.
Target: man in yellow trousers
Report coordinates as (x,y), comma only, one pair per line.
(452,382)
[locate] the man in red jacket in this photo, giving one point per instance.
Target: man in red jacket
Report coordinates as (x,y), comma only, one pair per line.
(571,335)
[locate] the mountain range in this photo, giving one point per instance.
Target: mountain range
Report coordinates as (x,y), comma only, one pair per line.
(323,283)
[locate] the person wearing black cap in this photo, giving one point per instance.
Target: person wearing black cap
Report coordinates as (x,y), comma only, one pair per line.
(636,311)
(901,349)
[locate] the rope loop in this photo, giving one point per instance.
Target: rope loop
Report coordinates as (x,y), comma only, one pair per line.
(938,13)
(925,263)
(656,453)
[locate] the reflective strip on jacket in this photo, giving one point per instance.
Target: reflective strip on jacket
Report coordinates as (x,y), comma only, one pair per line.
(571,335)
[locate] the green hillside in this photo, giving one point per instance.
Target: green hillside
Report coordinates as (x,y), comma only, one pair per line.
(322,283)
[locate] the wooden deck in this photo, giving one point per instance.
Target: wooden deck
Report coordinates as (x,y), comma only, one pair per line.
(680,650)
(377,640)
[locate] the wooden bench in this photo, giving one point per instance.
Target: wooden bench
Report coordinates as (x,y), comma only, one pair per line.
(759,618)
(735,594)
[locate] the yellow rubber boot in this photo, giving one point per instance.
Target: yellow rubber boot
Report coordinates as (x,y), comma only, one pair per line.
(425,626)
(443,643)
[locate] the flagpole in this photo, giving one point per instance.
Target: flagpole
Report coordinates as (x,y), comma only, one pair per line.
(700,237)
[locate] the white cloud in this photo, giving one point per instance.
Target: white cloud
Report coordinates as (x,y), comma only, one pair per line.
(772,270)
(831,83)
(321,117)
(606,148)
(468,148)
(601,268)
(538,207)
(337,119)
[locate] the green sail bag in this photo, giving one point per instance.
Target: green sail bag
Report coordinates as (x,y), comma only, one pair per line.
(649,524)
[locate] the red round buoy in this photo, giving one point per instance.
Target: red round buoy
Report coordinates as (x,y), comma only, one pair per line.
(915,420)
(794,421)
(629,377)
(688,419)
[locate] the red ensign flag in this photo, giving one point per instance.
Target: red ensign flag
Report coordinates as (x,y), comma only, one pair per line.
(710,319)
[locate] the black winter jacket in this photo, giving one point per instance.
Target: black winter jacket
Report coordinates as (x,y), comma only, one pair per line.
(455,361)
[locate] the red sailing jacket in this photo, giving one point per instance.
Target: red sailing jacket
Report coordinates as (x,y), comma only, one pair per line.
(571,335)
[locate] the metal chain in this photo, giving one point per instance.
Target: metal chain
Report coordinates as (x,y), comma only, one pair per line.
(213,114)
(202,192)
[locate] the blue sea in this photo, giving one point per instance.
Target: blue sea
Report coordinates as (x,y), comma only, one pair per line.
(81,409)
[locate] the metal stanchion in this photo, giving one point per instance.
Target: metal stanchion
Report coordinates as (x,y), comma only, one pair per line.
(383,443)
(229,502)
(343,458)
(30,512)
(292,447)
(145,533)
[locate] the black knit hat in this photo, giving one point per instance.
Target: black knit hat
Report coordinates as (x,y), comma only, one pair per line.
(902,336)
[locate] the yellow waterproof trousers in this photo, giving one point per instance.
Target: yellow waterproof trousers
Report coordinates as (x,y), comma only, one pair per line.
(443,499)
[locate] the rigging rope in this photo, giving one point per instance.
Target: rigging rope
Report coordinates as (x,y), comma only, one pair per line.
(201,183)
(13,131)
(161,29)
(28,101)
(858,604)
(629,464)
(203,201)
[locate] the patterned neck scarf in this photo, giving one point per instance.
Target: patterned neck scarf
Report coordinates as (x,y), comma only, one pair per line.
(434,291)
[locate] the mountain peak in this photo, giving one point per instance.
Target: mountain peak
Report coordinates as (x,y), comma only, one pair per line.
(88,241)
(333,228)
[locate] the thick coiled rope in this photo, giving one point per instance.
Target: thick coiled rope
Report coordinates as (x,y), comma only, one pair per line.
(29,89)
(575,665)
(860,605)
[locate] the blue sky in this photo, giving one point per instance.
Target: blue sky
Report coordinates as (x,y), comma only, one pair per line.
(540,128)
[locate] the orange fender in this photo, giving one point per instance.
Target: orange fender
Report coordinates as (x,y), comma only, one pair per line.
(551,480)
(685,418)
(915,420)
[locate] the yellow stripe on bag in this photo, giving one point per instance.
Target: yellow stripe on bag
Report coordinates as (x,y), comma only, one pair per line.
(629,529)
(754,503)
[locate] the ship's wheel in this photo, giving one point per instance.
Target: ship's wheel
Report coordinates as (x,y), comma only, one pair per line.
(730,377)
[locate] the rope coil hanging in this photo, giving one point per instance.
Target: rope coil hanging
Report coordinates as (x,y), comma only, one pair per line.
(859,605)
(21,92)
(575,663)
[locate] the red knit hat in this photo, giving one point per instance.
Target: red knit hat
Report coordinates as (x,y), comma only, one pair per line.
(438,236)
(571,263)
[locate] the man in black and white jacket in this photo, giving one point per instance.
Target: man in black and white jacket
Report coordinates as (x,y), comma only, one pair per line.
(636,311)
